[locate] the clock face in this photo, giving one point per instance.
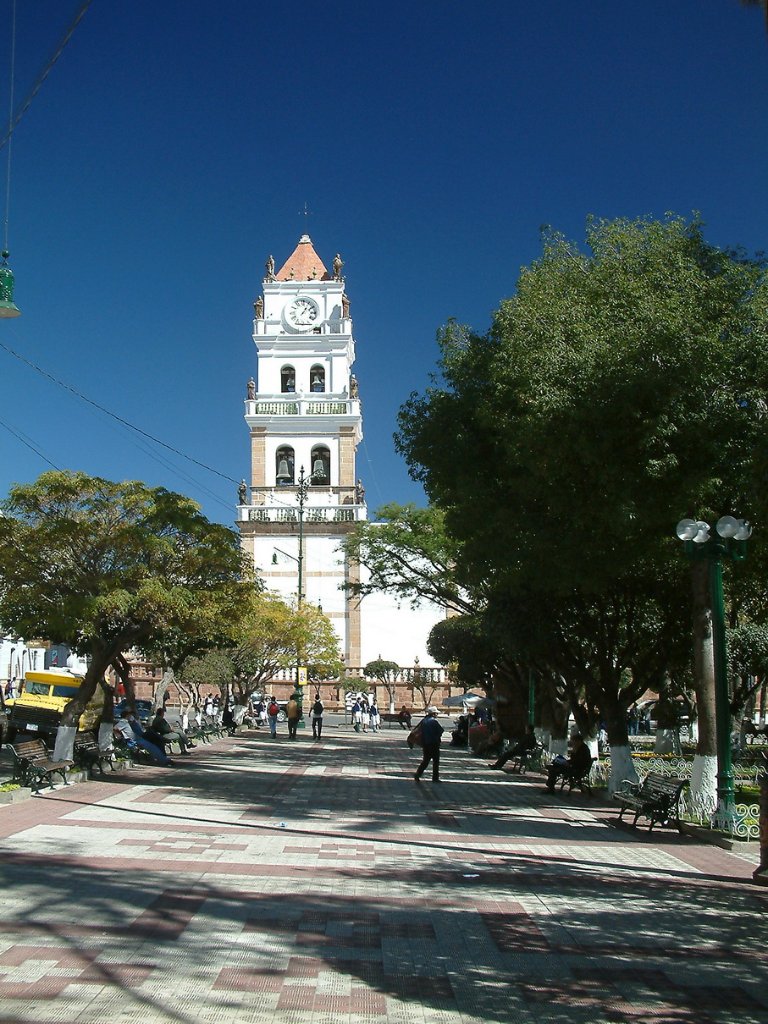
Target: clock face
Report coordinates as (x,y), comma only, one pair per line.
(302,312)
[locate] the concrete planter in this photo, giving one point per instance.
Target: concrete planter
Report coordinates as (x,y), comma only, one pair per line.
(15,796)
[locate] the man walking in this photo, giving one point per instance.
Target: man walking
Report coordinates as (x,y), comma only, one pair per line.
(431,731)
(317,717)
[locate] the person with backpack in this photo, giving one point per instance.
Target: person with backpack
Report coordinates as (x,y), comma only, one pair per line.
(273,710)
(317,717)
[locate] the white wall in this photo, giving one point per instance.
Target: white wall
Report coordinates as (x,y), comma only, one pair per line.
(397,634)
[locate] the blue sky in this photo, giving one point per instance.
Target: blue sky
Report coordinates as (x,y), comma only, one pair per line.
(174,145)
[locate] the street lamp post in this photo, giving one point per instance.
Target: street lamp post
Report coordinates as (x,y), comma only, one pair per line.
(730,541)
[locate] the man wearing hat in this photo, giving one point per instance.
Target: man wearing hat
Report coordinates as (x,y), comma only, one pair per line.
(431,731)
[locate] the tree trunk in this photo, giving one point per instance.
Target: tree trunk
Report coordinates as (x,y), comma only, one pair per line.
(391,692)
(667,741)
(554,719)
(169,676)
(704,776)
(123,669)
(70,716)
(621,753)
(511,695)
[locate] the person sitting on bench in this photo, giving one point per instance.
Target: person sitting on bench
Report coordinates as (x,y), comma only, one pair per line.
(161,730)
(577,765)
(528,742)
(460,734)
(404,718)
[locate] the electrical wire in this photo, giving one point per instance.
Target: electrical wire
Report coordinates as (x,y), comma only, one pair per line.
(108,412)
(10,129)
(373,473)
(25,440)
(14,120)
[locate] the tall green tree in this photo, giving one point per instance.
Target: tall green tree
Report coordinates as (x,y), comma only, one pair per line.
(270,638)
(621,388)
(105,567)
(386,673)
(408,553)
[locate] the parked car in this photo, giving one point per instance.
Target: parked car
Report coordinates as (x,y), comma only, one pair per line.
(145,709)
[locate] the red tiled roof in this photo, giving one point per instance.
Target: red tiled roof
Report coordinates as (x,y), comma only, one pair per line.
(303,264)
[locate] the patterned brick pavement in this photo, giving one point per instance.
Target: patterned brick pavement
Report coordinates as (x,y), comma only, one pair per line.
(305,882)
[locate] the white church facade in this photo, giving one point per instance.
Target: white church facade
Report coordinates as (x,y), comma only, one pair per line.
(304,417)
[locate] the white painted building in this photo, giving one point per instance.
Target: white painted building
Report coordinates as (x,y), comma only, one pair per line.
(305,422)
(18,657)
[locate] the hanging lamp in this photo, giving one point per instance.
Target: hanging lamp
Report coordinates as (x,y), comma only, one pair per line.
(8,307)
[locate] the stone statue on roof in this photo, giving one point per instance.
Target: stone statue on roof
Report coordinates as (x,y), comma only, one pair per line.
(242,493)
(270,268)
(353,389)
(251,389)
(258,308)
(345,305)
(338,263)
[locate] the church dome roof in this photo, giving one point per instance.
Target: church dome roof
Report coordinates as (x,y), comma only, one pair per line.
(303,264)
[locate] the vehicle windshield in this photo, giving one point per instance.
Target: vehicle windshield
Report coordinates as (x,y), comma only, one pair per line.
(42,689)
(65,691)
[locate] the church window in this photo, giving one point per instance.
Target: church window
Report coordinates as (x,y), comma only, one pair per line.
(284,466)
(321,466)
(287,380)
(317,379)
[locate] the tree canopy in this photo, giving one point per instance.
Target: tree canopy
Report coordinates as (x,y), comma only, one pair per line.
(623,387)
(618,390)
(270,637)
(104,567)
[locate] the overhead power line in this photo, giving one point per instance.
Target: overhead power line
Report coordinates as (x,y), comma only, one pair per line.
(26,102)
(114,416)
(25,440)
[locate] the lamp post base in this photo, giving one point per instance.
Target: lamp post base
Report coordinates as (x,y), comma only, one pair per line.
(724,819)
(760,874)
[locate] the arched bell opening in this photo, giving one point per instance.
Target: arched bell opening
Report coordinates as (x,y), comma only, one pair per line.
(284,466)
(321,466)
(317,379)
(287,380)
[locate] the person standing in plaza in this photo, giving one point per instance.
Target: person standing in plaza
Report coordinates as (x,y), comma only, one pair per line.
(431,732)
(292,713)
(317,717)
(273,710)
(357,715)
(373,716)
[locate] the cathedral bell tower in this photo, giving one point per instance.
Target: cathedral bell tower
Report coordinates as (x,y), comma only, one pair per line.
(303,413)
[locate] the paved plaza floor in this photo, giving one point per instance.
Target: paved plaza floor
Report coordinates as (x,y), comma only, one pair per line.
(274,881)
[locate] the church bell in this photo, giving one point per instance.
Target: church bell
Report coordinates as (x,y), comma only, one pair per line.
(318,470)
(8,307)
(283,473)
